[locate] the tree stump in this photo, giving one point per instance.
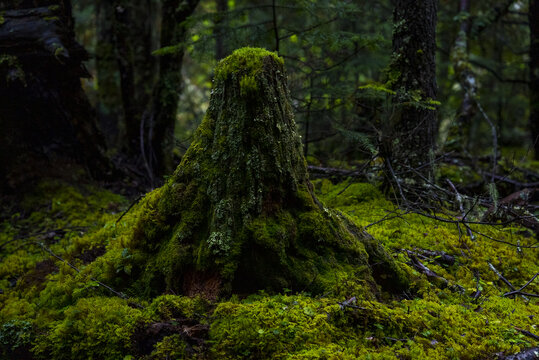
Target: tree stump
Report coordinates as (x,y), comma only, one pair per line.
(239,213)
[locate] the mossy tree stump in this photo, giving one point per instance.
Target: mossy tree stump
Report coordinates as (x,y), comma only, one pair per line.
(239,213)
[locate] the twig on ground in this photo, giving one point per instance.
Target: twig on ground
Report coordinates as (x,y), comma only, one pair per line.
(129,208)
(520,292)
(502,278)
(527,333)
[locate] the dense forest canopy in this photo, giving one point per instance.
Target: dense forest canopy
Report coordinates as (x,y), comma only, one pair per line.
(302,179)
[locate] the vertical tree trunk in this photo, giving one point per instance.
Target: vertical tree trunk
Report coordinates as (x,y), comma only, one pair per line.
(46,122)
(464,75)
(534,74)
(109,106)
(125,48)
(166,93)
(414,77)
(220,24)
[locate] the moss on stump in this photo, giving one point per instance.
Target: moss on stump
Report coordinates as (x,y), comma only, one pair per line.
(239,213)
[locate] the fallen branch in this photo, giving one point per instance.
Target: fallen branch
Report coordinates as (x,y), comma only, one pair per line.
(329,172)
(129,208)
(502,278)
(530,354)
(424,269)
(519,291)
(527,333)
(440,257)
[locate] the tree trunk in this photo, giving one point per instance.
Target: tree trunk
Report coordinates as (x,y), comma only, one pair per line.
(220,25)
(46,121)
(109,105)
(534,75)
(239,214)
(413,73)
(166,93)
(465,76)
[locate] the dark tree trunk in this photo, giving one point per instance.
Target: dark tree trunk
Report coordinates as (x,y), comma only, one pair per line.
(46,121)
(126,66)
(220,25)
(413,77)
(166,93)
(133,26)
(109,106)
(465,76)
(534,74)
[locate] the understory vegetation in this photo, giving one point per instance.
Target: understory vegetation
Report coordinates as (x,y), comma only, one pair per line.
(59,297)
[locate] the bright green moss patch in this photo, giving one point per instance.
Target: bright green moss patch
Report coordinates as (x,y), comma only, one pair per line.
(94,328)
(247,60)
(301,327)
(52,312)
(246,63)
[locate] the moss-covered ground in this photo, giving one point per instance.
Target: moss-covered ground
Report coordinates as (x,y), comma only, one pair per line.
(57,307)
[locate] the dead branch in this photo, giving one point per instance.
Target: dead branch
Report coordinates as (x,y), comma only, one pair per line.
(520,292)
(507,282)
(530,354)
(318,171)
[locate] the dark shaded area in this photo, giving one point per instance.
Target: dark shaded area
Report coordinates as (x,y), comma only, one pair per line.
(47,126)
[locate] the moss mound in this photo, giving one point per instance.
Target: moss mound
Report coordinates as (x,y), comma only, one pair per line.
(49,311)
(239,213)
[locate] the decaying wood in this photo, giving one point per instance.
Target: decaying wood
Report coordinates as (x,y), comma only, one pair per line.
(47,123)
(320,172)
(530,354)
(40,33)
(514,206)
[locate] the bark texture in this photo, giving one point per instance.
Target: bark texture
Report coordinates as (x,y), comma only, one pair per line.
(414,80)
(239,213)
(166,92)
(465,75)
(534,74)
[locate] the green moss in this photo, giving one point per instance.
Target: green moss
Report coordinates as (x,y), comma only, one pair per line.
(2,19)
(300,327)
(171,347)
(247,61)
(271,327)
(10,65)
(15,337)
(94,328)
(168,307)
(458,174)
(70,317)
(248,85)
(246,64)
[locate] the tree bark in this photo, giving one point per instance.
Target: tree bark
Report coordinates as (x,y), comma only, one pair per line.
(464,75)
(220,25)
(162,117)
(133,27)
(46,122)
(413,77)
(534,75)
(109,105)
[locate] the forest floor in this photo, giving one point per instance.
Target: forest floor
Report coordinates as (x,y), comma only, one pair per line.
(471,297)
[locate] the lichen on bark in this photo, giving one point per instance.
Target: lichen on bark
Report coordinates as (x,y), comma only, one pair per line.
(239,213)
